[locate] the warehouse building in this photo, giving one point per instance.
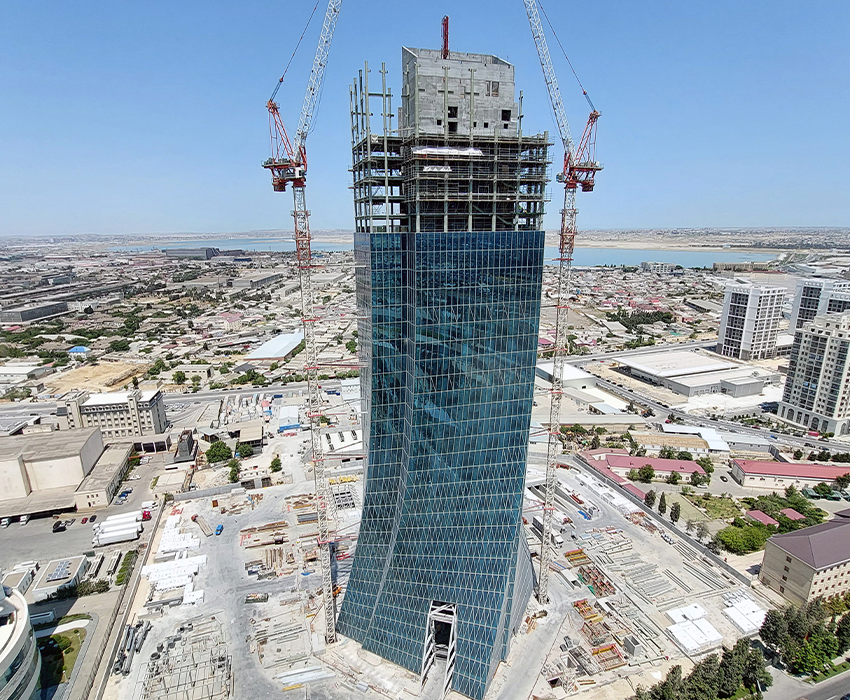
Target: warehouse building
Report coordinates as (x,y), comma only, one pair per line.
(118,414)
(44,461)
(778,475)
(33,312)
(809,563)
(694,374)
(100,486)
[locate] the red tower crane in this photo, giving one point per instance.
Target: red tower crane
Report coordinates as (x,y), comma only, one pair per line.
(580,168)
(288,166)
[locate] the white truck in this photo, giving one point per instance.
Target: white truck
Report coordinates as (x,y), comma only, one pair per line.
(101,539)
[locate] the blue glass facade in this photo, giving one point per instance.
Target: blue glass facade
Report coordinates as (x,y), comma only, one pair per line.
(448,332)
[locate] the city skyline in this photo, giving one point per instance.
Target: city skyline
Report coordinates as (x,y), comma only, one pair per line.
(157,122)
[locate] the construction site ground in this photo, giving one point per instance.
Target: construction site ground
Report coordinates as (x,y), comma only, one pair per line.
(103,376)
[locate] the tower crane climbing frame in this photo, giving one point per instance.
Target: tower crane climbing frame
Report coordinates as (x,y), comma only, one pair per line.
(580,168)
(288,165)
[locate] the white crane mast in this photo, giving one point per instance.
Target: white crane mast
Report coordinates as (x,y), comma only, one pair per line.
(288,165)
(567,240)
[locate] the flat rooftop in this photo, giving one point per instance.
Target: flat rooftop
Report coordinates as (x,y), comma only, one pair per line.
(44,446)
(117,397)
(278,347)
(742,375)
(675,363)
(111,461)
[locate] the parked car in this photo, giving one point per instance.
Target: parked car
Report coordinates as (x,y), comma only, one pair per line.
(84,521)
(723,479)
(93,518)
(25,519)
(4,522)
(219,529)
(59,526)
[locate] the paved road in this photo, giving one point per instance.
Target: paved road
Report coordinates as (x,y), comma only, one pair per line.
(786,688)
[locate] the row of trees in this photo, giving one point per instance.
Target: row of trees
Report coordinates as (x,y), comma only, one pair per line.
(806,638)
(714,677)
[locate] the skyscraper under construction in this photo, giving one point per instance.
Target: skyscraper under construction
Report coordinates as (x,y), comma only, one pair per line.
(449,197)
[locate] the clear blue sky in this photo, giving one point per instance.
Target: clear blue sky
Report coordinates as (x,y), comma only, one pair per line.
(120,117)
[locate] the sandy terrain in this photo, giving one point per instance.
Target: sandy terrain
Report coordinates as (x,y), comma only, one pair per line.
(105,376)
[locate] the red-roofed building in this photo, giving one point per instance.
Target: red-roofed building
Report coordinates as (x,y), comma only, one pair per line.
(778,475)
(761,517)
(792,514)
(620,462)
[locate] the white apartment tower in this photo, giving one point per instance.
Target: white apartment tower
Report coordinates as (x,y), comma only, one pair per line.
(819,296)
(750,321)
(817,390)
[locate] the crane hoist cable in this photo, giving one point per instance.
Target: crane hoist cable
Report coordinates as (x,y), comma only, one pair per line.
(300,39)
(563,51)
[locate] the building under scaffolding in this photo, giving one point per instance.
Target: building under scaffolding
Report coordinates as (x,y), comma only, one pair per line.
(449,197)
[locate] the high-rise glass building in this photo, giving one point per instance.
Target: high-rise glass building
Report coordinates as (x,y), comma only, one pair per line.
(449,253)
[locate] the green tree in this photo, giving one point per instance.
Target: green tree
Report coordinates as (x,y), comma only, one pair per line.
(675,512)
(351,346)
(275,465)
(842,481)
(649,499)
(667,452)
(674,478)
(732,669)
(842,633)
(218,452)
(121,345)
(756,675)
(798,454)
(685,455)
(244,450)
(696,479)
(646,474)
(689,525)
(706,464)
(595,443)
(774,629)
(179,377)
(702,530)
(662,504)
(822,489)
(233,477)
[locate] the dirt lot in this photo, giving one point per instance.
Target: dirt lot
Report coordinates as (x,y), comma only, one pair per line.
(104,376)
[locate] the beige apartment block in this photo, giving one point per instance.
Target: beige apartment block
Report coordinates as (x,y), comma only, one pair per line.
(118,414)
(809,563)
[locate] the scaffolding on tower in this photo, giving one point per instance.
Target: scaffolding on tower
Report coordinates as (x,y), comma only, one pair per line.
(580,168)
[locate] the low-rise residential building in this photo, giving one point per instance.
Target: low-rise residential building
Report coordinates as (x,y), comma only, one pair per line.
(117,414)
(653,443)
(809,563)
(621,463)
(776,476)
